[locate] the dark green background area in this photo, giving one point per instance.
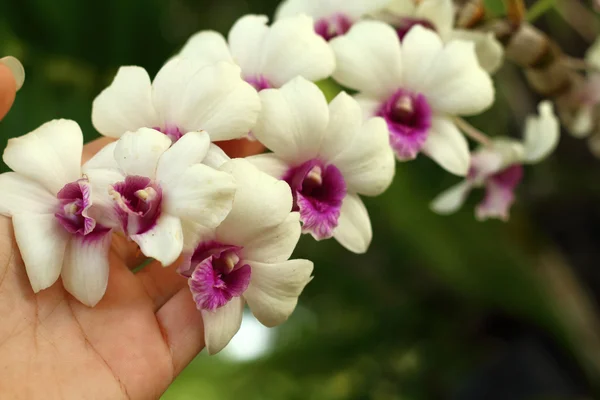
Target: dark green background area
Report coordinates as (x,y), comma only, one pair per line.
(440,307)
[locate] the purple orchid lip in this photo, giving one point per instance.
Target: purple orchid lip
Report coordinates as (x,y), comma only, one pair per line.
(333,26)
(406,24)
(172,131)
(318,190)
(138,203)
(259,82)
(500,193)
(216,274)
(408,116)
(75,200)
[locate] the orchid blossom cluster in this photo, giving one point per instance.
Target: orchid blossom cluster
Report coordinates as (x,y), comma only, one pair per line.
(164,184)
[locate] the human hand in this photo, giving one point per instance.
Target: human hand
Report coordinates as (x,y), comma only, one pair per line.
(12,76)
(131,345)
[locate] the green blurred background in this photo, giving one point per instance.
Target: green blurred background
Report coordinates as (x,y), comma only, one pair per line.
(439,308)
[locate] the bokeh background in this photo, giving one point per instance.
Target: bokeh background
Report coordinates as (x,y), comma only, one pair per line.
(439,308)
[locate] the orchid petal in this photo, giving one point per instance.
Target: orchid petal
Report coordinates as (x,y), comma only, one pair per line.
(274,289)
(448,147)
(164,242)
(221,325)
(276,244)
(541,133)
(369,59)
(42,242)
(22,195)
(450,201)
(246,42)
(250,215)
(50,155)
(137,153)
(269,164)
(293,120)
(187,151)
(488,49)
(126,105)
(85,271)
(354,230)
(201,194)
(209,47)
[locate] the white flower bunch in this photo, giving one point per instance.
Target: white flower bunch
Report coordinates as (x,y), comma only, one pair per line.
(233,224)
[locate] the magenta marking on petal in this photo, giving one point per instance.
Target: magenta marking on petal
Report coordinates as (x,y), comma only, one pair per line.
(318,191)
(259,82)
(333,26)
(499,195)
(172,131)
(138,203)
(408,116)
(216,274)
(404,25)
(75,200)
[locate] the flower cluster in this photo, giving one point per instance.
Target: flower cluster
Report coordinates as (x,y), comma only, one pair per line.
(165,185)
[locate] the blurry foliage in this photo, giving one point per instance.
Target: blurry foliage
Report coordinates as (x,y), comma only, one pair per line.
(440,307)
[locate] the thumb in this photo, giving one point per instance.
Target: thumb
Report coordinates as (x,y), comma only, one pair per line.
(12,76)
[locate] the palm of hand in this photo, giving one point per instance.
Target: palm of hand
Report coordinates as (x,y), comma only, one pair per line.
(131,345)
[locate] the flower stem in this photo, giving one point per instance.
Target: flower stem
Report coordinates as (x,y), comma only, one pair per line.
(539,8)
(473,132)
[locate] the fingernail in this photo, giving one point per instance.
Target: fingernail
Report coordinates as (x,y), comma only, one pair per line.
(16,68)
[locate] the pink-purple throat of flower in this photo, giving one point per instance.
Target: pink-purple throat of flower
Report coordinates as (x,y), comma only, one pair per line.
(216,273)
(138,203)
(318,190)
(408,116)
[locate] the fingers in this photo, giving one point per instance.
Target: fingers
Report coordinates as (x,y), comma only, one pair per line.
(8,90)
(161,283)
(241,147)
(182,327)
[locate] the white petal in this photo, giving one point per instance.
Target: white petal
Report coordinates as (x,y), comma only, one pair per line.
(261,202)
(402,8)
(368,59)
(354,230)
(222,324)
(314,8)
(215,157)
(208,47)
(269,164)
(489,50)
(541,133)
(187,151)
(275,244)
(126,105)
(420,48)
(345,123)
(292,48)
(246,42)
(447,146)
(211,98)
(85,271)
(22,195)
(293,120)
(201,194)
(274,289)
(439,12)
(193,234)
(137,153)
(582,124)
(368,163)
(456,83)
(42,242)
(164,242)
(50,155)
(104,159)
(451,200)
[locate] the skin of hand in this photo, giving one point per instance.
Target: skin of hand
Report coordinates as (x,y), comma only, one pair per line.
(132,345)
(8,90)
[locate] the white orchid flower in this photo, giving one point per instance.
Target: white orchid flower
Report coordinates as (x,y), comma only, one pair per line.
(50,200)
(269,56)
(186,96)
(500,168)
(416,86)
(327,156)
(332,17)
(158,190)
(246,258)
(439,15)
